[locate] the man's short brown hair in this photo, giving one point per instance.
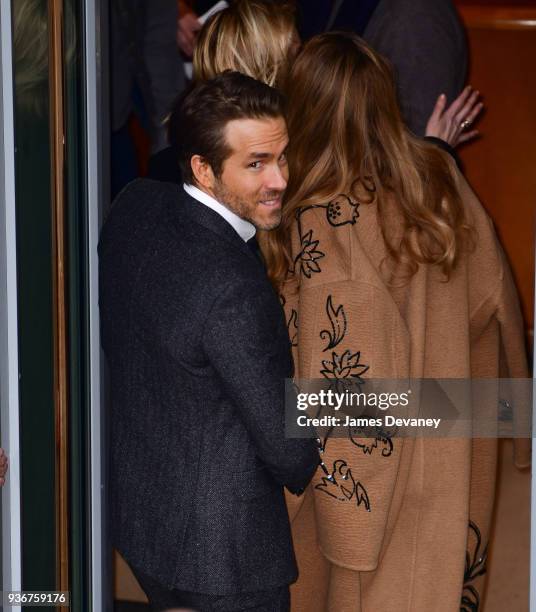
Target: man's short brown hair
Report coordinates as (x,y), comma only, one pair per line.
(198,119)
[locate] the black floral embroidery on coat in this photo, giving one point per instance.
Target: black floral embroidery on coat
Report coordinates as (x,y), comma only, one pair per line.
(475,566)
(369,439)
(344,367)
(346,372)
(342,210)
(470,599)
(342,486)
(292,326)
(337,318)
(308,257)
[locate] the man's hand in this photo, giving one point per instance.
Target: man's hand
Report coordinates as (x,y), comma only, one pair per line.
(188,27)
(451,124)
(3,466)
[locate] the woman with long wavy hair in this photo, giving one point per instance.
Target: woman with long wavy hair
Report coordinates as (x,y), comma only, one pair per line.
(395,273)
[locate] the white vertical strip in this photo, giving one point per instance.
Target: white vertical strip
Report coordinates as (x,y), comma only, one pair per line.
(9,357)
(532,587)
(94,139)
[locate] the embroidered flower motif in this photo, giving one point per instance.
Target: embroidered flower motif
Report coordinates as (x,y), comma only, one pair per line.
(342,486)
(309,254)
(342,210)
(345,366)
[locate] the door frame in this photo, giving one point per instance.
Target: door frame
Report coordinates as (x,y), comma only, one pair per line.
(97,129)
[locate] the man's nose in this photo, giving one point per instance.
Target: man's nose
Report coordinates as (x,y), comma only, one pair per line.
(277,179)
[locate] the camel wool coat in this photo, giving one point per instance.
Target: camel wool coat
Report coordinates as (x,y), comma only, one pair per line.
(397,524)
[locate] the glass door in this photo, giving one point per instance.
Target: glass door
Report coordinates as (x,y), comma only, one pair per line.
(52,189)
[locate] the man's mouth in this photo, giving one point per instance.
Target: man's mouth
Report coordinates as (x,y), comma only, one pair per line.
(274,202)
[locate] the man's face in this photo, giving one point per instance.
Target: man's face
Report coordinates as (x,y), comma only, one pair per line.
(254,176)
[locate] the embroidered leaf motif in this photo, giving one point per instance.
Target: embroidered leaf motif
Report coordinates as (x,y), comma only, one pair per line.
(337,318)
(342,486)
(368,441)
(475,565)
(362,496)
(292,327)
(309,254)
(470,599)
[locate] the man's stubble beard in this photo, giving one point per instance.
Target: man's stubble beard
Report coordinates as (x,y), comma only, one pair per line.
(242,208)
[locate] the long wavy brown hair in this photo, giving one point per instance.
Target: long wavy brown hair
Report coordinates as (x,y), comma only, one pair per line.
(345,127)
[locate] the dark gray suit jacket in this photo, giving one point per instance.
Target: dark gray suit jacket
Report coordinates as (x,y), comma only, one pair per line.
(198,352)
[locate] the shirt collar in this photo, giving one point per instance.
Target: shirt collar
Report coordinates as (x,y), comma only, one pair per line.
(243,228)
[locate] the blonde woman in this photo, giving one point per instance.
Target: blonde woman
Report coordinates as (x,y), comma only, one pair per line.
(395,272)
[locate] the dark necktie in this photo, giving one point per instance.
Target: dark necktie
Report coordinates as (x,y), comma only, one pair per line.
(256,250)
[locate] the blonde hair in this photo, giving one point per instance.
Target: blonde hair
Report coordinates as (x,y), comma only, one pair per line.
(255,37)
(348,136)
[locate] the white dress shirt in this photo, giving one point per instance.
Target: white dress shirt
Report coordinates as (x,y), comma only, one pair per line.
(243,228)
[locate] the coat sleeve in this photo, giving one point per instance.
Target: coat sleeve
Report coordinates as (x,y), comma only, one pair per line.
(350,331)
(244,345)
(514,358)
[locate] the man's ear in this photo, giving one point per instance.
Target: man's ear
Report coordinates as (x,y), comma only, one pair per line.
(202,172)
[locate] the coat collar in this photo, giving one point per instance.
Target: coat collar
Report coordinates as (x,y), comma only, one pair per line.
(244,229)
(211,220)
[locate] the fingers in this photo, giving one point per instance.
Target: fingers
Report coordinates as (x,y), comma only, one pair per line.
(469,105)
(434,126)
(189,26)
(473,114)
(439,107)
(460,102)
(466,136)
(184,45)
(449,123)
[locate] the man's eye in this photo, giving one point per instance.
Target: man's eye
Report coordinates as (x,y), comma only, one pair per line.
(255,164)
(283,157)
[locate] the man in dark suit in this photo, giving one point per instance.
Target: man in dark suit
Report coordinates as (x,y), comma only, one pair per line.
(198,352)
